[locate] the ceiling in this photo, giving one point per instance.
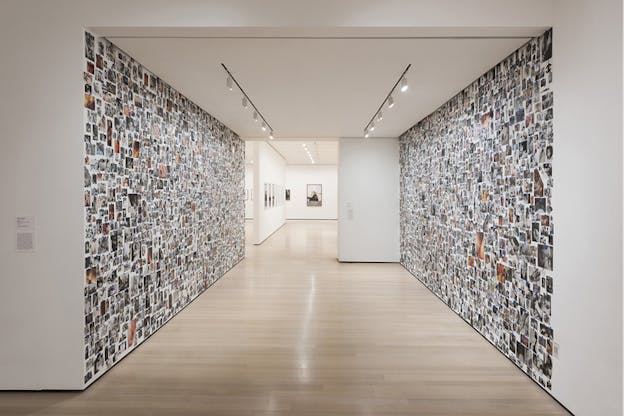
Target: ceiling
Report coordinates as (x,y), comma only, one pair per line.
(319,87)
(323,152)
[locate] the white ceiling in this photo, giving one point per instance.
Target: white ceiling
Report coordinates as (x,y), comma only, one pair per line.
(319,87)
(322,152)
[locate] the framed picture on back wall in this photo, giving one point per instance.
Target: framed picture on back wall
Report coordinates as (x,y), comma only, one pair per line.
(314,195)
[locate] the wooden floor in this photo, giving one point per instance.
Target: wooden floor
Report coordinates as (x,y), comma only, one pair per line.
(290,331)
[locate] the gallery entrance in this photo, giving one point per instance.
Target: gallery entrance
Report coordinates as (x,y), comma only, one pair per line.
(287,181)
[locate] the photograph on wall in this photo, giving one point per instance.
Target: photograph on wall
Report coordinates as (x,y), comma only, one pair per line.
(314,195)
(287,196)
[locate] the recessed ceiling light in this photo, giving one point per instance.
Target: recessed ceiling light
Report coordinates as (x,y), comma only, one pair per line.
(229,83)
(390,102)
(264,126)
(379,116)
(245,102)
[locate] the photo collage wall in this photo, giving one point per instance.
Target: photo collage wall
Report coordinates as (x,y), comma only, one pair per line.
(477,222)
(274,195)
(164,203)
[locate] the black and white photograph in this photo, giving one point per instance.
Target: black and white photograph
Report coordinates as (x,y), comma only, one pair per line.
(314,195)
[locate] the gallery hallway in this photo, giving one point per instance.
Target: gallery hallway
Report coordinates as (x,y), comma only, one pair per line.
(291,331)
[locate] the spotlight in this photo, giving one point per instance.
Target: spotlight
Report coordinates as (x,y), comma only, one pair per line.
(379,116)
(271,136)
(404,85)
(372,127)
(245,102)
(229,83)
(366,135)
(255,116)
(390,102)
(264,126)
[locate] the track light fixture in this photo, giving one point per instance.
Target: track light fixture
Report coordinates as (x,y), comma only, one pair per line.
(389,101)
(246,102)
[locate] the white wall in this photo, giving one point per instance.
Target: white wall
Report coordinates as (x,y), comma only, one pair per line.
(41,174)
(297,178)
(368,200)
(269,167)
(587,205)
(250,192)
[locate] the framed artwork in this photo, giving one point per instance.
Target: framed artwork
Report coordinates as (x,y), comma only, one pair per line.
(266,195)
(287,196)
(314,195)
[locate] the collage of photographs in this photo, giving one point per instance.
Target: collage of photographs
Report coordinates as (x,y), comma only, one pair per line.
(476,212)
(163,198)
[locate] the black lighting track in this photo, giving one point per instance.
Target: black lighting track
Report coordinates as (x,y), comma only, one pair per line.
(247,97)
(387,96)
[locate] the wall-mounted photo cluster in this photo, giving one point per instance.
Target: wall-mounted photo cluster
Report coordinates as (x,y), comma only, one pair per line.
(273,195)
(314,195)
(163,200)
(476,216)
